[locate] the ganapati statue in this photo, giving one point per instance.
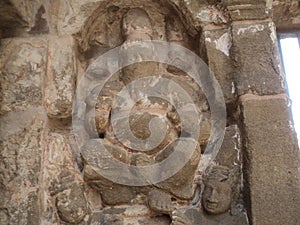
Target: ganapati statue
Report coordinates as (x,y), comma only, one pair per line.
(161,197)
(218,202)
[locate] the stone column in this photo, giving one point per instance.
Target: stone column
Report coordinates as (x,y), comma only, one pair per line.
(271,154)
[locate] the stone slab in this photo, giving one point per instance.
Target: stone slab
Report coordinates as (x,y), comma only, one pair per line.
(256,57)
(271,161)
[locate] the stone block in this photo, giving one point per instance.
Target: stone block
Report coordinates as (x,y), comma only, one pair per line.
(218,44)
(22,69)
(20,166)
(271,161)
(61,77)
(256,58)
(249,9)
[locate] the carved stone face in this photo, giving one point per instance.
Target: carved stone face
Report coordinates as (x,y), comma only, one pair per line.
(217,196)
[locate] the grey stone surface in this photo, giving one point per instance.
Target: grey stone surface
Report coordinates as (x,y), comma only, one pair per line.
(230,153)
(271,160)
(256,58)
(217,44)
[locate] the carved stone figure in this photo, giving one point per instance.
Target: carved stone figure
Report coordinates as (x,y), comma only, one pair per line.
(218,202)
(162,197)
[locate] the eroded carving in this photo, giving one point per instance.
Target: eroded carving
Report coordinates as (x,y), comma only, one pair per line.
(218,201)
(163,197)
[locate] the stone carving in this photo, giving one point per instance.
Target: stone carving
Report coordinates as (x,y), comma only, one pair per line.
(218,201)
(160,198)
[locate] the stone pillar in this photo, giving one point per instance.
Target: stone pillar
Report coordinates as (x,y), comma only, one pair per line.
(270,151)
(271,160)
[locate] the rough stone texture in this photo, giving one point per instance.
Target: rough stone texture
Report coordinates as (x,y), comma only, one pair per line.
(229,154)
(127,215)
(249,9)
(11,21)
(286,15)
(218,201)
(193,13)
(61,77)
(22,64)
(20,164)
(136,26)
(71,204)
(218,44)
(271,160)
(257,65)
(18,17)
(41,168)
(63,193)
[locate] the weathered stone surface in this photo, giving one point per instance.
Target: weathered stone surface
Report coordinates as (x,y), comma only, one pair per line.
(62,182)
(20,164)
(198,13)
(229,154)
(22,119)
(192,12)
(61,77)
(271,160)
(22,64)
(249,9)
(71,204)
(19,16)
(180,185)
(257,65)
(160,201)
(218,201)
(29,146)
(41,23)
(286,15)
(127,215)
(217,44)
(11,21)
(96,158)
